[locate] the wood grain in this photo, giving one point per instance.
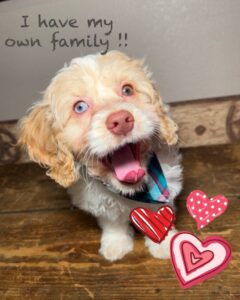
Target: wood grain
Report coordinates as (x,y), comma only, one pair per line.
(30,190)
(208,122)
(46,254)
(50,251)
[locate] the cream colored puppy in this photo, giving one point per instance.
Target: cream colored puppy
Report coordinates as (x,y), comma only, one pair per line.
(95,129)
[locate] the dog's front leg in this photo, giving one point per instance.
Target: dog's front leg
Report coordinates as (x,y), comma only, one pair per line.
(117,238)
(161,250)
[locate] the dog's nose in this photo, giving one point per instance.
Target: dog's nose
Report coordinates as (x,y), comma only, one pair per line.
(120,122)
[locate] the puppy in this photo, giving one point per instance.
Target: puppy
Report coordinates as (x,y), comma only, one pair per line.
(95,130)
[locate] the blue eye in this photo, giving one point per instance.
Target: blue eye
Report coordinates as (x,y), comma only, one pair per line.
(80,107)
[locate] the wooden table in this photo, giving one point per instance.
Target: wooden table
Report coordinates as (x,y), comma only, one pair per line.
(48,250)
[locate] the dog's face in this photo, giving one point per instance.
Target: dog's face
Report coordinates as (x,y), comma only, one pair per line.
(102,113)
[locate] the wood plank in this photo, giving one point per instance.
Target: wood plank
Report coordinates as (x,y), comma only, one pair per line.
(202,170)
(208,122)
(49,251)
(46,255)
(203,122)
(214,169)
(26,187)
(8,137)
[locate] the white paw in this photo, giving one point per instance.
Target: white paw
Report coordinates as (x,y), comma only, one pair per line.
(114,245)
(161,250)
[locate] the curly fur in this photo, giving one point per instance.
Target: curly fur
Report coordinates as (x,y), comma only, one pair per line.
(71,146)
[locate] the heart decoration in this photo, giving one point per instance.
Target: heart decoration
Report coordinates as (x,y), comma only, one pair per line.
(203,209)
(195,261)
(155,225)
(194,258)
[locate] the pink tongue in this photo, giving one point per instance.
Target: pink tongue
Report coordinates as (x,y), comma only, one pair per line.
(126,167)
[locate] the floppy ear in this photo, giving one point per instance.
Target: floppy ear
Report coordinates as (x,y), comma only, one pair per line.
(39,136)
(167,128)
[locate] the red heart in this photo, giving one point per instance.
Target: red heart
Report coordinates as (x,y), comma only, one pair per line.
(155,225)
(205,210)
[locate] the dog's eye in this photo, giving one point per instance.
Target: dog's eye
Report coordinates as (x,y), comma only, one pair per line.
(80,107)
(127,90)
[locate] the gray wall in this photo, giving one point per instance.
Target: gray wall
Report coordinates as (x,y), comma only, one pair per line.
(192,46)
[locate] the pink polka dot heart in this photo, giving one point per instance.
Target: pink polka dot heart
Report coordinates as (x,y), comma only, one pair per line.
(203,209)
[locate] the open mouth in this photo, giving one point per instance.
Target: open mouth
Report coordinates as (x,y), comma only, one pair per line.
(125,163)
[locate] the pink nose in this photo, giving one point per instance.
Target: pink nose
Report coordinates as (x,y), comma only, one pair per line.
(120,122)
